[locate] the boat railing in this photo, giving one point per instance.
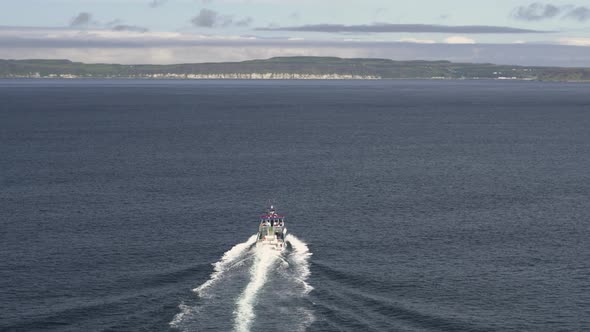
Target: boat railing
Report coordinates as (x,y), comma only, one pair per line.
(272,229)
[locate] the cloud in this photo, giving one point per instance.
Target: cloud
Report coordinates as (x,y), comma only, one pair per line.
(125,27)
(581,14)
(459,40)
(208,18)
(205,18)
(295,16)
(540,11)
(113,23)
(536,12)
(405,28)
(379,12)
(81,20)
(244,22)
(157,3)
(85,20)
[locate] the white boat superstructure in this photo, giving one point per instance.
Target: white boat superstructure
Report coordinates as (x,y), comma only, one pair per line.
(272,230)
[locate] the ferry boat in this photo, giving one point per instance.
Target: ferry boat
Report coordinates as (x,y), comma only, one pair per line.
(272,230)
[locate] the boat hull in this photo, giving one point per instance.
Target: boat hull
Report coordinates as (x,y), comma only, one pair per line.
(272,243)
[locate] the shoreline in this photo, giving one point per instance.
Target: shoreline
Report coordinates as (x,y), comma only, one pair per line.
(32,78)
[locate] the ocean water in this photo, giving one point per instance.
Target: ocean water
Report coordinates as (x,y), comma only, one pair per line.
(412,205)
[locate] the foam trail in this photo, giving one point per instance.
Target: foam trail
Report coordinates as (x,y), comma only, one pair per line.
(300,258)
(229,258)
(184,311)
(266,290)
(244,313)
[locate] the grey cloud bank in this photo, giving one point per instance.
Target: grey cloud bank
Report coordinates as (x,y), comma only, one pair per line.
(85,20)
(208,18)
(581,14)
(157,3)
(124,27)
(81,20)
(539,11)
(404,28)
(536,12)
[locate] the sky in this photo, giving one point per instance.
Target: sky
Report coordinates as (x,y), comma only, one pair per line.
(555,33)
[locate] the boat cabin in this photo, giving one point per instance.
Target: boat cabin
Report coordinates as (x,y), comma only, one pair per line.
(271,225)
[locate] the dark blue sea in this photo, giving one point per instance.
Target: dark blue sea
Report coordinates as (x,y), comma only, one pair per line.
(411,205)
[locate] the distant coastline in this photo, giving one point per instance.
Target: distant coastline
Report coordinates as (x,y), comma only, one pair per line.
(296,68)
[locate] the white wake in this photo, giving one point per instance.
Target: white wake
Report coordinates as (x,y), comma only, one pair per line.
(300,257)
(244,313)
(253,288)
(229,258)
